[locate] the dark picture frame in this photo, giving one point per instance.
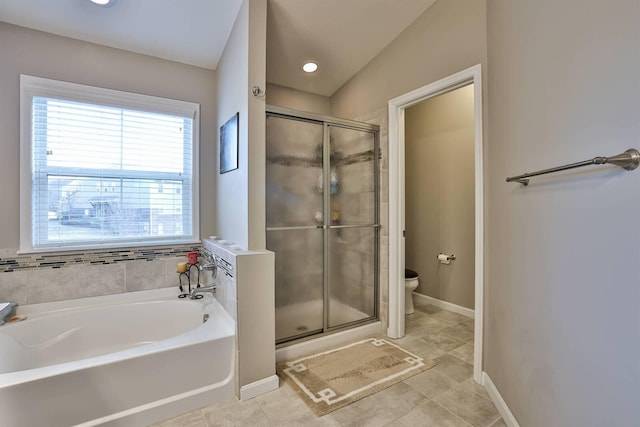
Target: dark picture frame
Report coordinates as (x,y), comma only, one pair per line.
(229,144)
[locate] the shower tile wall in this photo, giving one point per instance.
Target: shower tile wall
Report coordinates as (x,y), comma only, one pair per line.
(380,117)
(31,279)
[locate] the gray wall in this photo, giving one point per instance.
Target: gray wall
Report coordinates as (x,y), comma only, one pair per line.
(240,193)
(563,303)
(232,188)
(439,191)
(25,51)
(298,100)
(450,36)
(256,163)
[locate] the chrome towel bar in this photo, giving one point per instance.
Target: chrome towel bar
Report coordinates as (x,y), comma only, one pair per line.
(629,160)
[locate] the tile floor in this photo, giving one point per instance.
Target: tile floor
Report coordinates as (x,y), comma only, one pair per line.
(445,395)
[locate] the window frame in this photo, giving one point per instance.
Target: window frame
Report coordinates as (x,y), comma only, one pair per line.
(31,86)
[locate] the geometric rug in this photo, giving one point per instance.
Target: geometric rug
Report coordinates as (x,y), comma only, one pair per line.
(335,378)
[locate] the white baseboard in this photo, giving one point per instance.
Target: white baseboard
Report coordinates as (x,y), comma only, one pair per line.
(467,312)
(259,387)
(497,399)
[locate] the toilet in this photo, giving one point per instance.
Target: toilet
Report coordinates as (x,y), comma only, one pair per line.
(410,285)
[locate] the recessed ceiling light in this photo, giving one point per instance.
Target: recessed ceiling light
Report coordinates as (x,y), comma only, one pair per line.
(309,67)
(105,3)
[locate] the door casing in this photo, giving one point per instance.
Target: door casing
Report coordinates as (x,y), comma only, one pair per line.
(397,106)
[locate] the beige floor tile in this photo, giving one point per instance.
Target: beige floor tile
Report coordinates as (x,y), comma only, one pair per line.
(431,383)
(396,423)
(248,413)
(429,325)
(365,412)
(421,348)
(469,406)
(499,423)
(398,399)
(449,384)
(190,419)
(404,341)
(460,331)
(442,341)
(425,306)
(476,388)
(417,314)
(449,315)
(311,421)
(232,401)
(464,352)
(283,405)
(453,367)
(432,414)
(469,322)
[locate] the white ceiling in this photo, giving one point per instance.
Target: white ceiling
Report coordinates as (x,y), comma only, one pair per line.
(341,35)
(189,31)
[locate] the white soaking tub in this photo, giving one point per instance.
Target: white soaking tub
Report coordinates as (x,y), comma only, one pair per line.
(119,360)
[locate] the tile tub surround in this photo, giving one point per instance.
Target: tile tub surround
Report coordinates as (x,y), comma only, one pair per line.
(9,263)
(437,397)
(227,291)
(37,278)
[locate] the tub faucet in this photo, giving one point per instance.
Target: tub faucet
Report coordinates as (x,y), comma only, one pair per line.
(209,288)
(6,311)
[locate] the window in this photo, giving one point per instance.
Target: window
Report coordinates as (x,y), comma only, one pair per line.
(104,168)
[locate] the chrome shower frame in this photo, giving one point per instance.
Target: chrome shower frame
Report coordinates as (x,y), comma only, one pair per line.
(327,122)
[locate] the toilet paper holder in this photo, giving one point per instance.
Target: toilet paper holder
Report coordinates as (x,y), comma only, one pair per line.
(446,259)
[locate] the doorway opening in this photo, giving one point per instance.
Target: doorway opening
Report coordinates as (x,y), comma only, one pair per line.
(397,201)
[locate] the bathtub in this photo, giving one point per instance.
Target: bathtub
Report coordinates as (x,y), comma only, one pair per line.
(120,360)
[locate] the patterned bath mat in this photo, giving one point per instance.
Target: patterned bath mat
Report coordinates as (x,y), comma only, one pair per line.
(335,378)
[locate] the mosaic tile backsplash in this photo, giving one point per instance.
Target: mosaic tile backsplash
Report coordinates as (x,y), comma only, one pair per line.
(38,278)
(31,261)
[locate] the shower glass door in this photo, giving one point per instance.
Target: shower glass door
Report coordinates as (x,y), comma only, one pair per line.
(322,221)
(295,224)
(353,230)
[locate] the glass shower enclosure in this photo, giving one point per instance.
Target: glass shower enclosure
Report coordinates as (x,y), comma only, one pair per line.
(322,221)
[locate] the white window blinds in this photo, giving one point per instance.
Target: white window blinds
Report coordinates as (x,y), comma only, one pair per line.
(103,173)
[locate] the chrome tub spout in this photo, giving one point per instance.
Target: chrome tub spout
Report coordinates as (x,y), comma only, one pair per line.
(209,288)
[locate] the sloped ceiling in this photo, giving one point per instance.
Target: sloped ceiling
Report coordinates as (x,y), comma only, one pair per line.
(192,32)
(340,35)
